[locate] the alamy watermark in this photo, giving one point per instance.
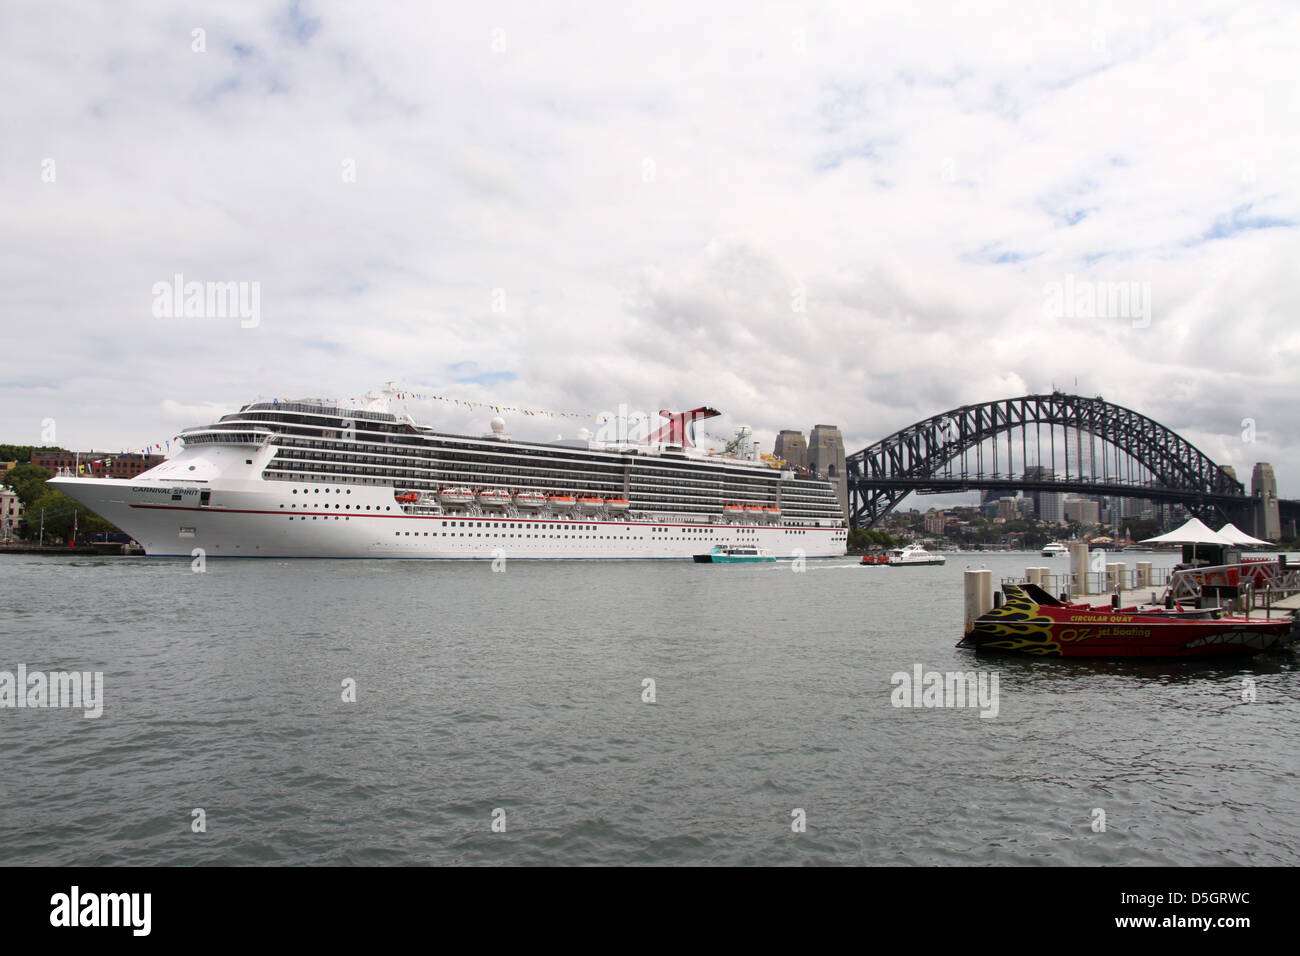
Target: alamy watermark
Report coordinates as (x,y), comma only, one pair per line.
(922,688)
(76,908)
(1086,299)
(38,689)
(179,299)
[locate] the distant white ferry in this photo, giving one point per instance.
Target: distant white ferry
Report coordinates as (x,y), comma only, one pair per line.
(1054,549)
(310,479)
(914,554)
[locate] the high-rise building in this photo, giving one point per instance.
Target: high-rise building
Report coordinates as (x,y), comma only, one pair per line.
(1082,510)
(1051,507)
(1109,509)
(1133,507)
(1038,473)
(935,522)
(1082,453)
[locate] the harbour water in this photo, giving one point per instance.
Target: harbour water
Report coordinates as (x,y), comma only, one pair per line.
(520,698)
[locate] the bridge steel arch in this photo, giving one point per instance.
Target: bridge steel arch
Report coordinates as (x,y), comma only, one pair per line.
(914,458)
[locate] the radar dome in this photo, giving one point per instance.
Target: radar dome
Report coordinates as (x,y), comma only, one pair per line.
(498,425)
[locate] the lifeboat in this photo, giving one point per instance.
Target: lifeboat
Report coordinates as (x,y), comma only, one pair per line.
(589,504)
(561,502)
(733,511)
(530,499)
(617,504)
(452,495)
(754,511)
(406,497)
(772,513)
(494,498)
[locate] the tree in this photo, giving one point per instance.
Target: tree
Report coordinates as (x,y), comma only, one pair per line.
(1141,528)
(860,539)
(29,482)
(59,510)
(18,453)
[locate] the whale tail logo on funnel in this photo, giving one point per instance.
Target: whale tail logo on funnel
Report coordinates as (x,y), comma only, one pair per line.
(680,427)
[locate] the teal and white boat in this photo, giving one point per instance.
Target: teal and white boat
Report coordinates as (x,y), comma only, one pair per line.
(722,554)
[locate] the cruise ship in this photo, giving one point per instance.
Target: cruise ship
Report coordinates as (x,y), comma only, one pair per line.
(314,479)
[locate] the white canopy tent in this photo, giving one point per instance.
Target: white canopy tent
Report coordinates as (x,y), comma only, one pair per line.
(1195,531)
(1239,537)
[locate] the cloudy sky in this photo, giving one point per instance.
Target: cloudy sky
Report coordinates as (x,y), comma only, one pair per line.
(849,213)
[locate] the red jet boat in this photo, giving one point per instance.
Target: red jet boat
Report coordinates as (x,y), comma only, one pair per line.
(1031,621)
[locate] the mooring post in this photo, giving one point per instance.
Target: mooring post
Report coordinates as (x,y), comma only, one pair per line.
(978,586)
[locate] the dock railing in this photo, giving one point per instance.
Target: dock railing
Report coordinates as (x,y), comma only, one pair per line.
(1254,584)
(1243,587)
(1096,583)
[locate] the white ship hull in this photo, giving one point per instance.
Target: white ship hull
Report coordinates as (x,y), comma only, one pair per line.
(257,519)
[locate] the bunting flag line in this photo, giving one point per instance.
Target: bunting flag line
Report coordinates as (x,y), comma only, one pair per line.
(164,447)
(496,407)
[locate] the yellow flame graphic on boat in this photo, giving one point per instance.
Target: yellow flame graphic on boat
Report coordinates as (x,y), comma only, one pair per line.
(1016,626)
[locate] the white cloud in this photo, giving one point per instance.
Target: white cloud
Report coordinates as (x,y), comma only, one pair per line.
(646,188)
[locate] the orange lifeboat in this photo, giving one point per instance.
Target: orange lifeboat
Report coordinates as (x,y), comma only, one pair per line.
(406,497)
(494,498)
(452,495)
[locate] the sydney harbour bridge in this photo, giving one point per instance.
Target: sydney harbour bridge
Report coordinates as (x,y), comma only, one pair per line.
(1053,443)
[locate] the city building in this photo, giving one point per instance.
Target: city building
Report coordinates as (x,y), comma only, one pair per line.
(11,514)
(1134,508)
(94,464)
(1038,473)
(1008,509)
(935,522)
(1051,507)
(1082,511)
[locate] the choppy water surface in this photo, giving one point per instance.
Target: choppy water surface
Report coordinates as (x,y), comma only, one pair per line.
(523,691)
